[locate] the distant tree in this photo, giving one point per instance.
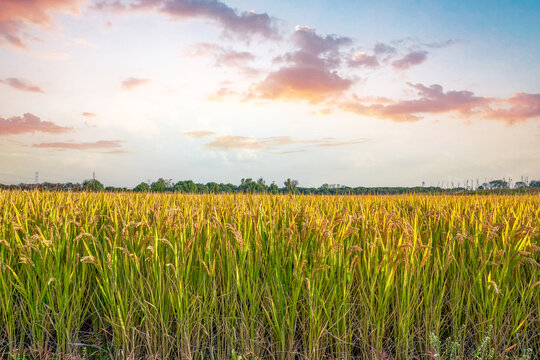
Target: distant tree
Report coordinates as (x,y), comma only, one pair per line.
(179,187)
(159,186)
(249,186)
(202,189)
(520,184)
(186,186)
(227,188)
(324,189)
(92,185)
(213,187)
(142,187)
(498,184)
(484,186)
(291,186)
(534,183)
(191,187)
(261,185)
(245,185)
(273,188)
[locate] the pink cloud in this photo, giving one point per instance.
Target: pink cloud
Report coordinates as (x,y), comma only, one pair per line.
(229,142)
(434,100)
(236,142)
(382,53)
(519,107)
(223,56)
(240,24)
(198,134)
(308,40)
(310,73)
(9,33)
(362,59)
(132,82)
(431,100)
(300,83)
(28,123)
(409,60)
(109,5)
(17,15)
(101,144)
(222,94)
(23,85)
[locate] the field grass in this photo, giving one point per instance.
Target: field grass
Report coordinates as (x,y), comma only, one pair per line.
(159,276)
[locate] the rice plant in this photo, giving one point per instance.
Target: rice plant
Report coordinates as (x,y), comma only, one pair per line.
(169,276)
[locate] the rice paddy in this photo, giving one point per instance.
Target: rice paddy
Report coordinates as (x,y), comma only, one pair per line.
(169,276)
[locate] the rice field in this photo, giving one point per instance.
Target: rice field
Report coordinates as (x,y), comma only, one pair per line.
(168,276)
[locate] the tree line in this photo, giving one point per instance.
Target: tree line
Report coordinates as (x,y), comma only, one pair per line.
(290,186)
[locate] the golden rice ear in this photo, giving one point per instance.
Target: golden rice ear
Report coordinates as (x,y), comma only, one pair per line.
(161,276)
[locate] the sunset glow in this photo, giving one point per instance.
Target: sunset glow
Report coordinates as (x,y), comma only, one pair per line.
(374,93)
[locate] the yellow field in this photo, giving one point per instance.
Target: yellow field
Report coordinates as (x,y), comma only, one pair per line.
(161,276)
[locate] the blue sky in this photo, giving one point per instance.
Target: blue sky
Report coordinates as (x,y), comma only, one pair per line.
(372,93)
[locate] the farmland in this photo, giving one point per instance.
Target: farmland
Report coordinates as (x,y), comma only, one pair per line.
(160,276)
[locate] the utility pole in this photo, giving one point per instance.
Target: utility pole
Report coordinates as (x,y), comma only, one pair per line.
(36,177)
(94,176)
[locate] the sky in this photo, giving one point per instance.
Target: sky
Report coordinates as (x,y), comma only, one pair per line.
(359,93)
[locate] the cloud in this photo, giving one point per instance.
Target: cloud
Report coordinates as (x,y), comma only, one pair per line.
(519,107)
(310,72)
(17,15)
(381,54)
(224,56)
(28,123)
(228,142)
(23,85)
(291,152)
(101,144)
(434,100)
(384,53)
(222,94)
(132,82)
(55,56)
(234,23)
(384,49)
(442,44)
(329,142)
(409,60)
(198,134)
(362,59)
(309,41)
(88,114)
(431,100)
(300,83)
(84,42)
(110,5)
